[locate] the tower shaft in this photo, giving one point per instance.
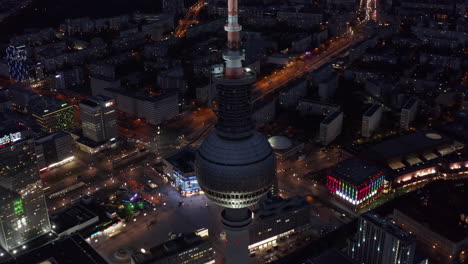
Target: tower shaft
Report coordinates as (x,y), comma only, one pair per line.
(233,56)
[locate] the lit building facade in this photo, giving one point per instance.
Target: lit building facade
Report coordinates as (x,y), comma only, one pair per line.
(51,114)
(356,181)
(379,241)
(23,210)
(54,150)
(193,248)
(179,167)
(17,65)
(99,118)
(278,219)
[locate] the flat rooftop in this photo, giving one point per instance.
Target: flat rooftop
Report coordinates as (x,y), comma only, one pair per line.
(409,103)
(70,250)
(44,105)
(70,217)
(399,146)
(389,227)
(438,207)
(372,110)
(333,256)
(331,117)
(170,248)
(94,101)
(355,171)
(183,159)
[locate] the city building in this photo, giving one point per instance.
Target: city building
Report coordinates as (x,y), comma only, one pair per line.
(264,111)
(290,96)
(67,79)
(20,97)
(331,127)
(332,256)
(235,165)
(54,150)
(153,109)
(180,168)
(23,213)
(173,79)
(71,250)
(371,120)
(356,182)
(278,219)
(312,107)
(379,241)
(99,119)
(284,147)
(408,113)
(99,83)
(193,248)
(52,115)
(437,217)
(17,63)
(72,219)
(410,158)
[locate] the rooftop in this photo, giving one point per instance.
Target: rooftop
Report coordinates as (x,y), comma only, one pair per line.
(331,117)
(355,171)
(183,159)
(438,207)
(409,103)
(389,227)
(372,110)
(94,101)
(334,256)
(59,252)
(170,248)
(280,142)
(412,143)
(277,206)
(43,105)
(70,217)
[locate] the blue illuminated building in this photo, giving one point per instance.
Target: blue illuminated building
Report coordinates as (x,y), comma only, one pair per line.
(179,168)
(16,58)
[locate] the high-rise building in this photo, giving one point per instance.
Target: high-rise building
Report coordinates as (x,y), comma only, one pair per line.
(23,211)
(54,150)
(99,118)
(235,165)
(330,127)
(408,113)
(371,120)
(16,58)
(51,114)
(378,241)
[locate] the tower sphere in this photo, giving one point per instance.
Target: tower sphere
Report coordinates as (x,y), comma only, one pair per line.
(235,174)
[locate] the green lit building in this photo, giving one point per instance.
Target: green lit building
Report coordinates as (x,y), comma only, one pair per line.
(51,114)
(23,210)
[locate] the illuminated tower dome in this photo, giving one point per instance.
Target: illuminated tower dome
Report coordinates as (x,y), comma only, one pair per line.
(235,165)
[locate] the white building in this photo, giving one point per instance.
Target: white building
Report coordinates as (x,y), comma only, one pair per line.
(331,127)
(371,120)
(153,109)
(99,118)
(408,113)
